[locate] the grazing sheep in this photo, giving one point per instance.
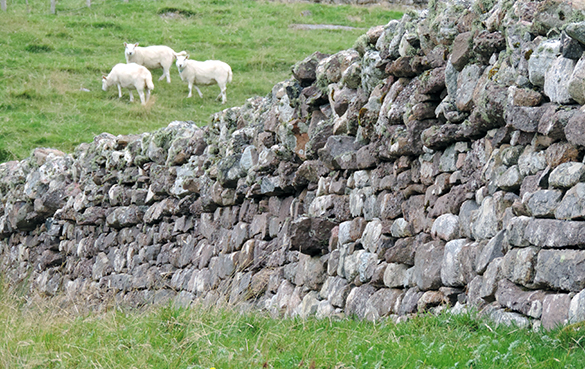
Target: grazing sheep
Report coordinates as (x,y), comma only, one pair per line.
(152,57)
(208,72)
(131,76)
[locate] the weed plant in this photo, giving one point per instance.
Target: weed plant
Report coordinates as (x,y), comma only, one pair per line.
(51,65)
(44,336)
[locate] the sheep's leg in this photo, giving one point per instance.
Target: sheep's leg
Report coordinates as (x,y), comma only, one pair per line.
(119,92)
(166,73)
(141,94)
(199,91)
(222,94)
(147,95)
(131,96)
(190,89)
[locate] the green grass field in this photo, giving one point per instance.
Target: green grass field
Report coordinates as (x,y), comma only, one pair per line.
(166,337)
(51,65)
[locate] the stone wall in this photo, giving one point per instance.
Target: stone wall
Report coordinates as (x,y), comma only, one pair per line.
(417,3)
(437,163)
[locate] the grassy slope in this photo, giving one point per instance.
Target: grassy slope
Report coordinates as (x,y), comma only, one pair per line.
(45,60)
(175,338)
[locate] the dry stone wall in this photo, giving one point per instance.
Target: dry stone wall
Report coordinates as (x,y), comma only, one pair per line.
(437,163)
(417,3)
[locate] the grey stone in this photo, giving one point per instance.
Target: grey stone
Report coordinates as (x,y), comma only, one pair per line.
(487,223)
(567,175)
(543,203)
(340,152)
(511,179)
(383,302)
(573,204)
(525,119)
(575,129)
(576,86)
(388,34)
(577,308)
(223,265)
(305,70)
(101,267)
(409,302)
(531,161)
(351,230)
(452,266)
(451,75)
(357,299)
(577,31)
(555,311)
(333,262)
(240,287)
(366,265)
(519,266)
(370,75)
(427,265)
(310,272)
(335,290)
(371,236)
(288,298)
(308,306)
(466,82)
(489,282)
(510,319)
(555,233)
(350,265)
(345,251)
(446,227)
(401,228)
(561,270)
(125,216)
(390,207)
(324,310)
(556,83)
(510,155)
(404,249)
(466,212)
(515,231)
(527,302)
(330,69)
(492,250)
(395,275)
(541,60)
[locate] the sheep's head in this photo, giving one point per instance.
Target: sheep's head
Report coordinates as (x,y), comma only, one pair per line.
(130,49)
(182,61)
(104,83)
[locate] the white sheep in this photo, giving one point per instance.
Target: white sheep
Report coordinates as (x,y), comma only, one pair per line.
(131,76)
(152,57)
(208,72)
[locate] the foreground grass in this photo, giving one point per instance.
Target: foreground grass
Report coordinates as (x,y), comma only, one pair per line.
(167,337)
(51,65)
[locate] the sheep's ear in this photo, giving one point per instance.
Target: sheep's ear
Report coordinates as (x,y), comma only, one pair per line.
(187,57)
(125,44)
(104,77)
(136,44)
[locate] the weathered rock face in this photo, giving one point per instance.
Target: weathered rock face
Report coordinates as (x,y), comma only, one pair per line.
(385,179)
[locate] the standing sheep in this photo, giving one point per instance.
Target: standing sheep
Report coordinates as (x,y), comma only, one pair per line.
(152,57)
(208,72)
(131,76)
